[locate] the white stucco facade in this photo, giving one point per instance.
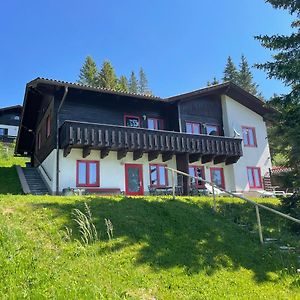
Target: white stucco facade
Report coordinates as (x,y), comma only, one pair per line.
(112,171)
(235,116)
(12,130)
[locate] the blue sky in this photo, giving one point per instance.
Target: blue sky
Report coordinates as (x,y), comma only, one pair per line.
(180,44)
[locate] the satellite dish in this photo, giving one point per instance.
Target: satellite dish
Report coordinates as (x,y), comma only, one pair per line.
(235,133)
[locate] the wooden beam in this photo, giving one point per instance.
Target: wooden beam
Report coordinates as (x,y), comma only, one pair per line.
(152,155)
(67,151)
(231,160)
(167,156)
(219,159)
(104,152)
(121,153)
(194,157)
(207,158)
(86,151)
(137,154)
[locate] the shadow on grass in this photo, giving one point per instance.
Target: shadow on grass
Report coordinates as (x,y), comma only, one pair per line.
(174,233)
(9,181)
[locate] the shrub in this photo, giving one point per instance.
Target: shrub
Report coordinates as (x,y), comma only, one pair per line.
(291,206)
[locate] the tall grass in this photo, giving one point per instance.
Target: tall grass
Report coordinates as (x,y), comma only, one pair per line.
(87,228)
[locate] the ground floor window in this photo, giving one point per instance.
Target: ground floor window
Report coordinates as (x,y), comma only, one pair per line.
(197,171)
(158,175)
(217,177)
(3,131)
(254,177)
(87,173)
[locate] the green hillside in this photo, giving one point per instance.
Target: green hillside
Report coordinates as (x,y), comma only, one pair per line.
(161,249)
(9,182)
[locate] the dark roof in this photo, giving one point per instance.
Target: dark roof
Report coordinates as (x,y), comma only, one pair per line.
(230,89)
(91,88)
(8,108)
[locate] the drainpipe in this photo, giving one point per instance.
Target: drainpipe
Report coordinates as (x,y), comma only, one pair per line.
(57,138)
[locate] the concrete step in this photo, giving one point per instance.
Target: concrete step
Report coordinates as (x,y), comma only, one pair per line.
(36,184)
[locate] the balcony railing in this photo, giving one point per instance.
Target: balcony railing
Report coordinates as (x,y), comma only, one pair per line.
(107,138)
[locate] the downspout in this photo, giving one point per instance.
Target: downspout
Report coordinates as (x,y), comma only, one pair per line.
(57,138)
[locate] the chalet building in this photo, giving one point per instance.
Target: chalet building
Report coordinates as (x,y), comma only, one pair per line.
(106,141)
(9,122)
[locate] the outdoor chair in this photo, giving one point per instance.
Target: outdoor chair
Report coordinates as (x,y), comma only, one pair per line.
(218,192)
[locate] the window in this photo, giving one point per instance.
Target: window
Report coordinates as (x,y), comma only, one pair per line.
(156,124)
(192,128)
(158,175)
(249,136)
(17,118)
(197,171)
(211,129)
(217,177)
(39,140)
(48,126)
(3,131)
(87,173)
(132,121)
(254,177)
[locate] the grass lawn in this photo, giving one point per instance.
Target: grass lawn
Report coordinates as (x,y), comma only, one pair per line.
(161,249)
(9,181)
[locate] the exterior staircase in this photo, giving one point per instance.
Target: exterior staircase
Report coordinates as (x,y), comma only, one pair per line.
(35,182)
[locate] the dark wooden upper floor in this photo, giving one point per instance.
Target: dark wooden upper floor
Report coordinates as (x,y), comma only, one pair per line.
(48,104)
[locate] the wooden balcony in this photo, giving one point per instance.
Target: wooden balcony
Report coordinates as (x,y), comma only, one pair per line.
(106,138)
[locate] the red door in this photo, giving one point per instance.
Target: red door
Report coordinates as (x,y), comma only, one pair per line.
(134,179)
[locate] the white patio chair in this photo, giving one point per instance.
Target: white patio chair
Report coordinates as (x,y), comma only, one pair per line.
(217,191)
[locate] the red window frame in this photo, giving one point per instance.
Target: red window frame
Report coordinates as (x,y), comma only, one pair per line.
(253,178)
(132,116)
(192,125)
(248,144)
(202,185)
(39,142)
(87,162)
(156,122)
(158,175)
(48,126)
(222,176)
(215,125)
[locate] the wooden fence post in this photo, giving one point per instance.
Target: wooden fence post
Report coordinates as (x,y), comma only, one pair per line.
(173,184)
(214,197)
(259,225)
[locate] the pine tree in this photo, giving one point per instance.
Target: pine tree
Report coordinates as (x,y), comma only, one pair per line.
(123,84)
(230,72)
(214,82)
(133,83)
(143,83)
(245,77)
(285,66)
(88,72)
(107,77)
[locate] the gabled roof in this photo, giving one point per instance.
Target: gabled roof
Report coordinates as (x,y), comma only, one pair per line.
(230,89)
(39,80)
(8,108)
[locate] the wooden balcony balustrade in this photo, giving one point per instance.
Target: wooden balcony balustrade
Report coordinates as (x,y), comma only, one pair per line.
(106,138)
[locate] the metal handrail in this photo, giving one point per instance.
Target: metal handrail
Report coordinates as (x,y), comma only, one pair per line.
(257,205)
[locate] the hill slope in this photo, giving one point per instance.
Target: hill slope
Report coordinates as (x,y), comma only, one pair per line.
(161,249)
(9,181)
